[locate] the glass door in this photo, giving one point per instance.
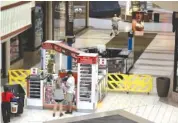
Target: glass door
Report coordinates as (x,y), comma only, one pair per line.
(176,64)
(3,54)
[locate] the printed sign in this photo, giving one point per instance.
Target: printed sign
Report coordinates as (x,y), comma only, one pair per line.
(138,23)
(102,61)
(61,48)
(47,46)
(135,6)
(34,71)
(87,60)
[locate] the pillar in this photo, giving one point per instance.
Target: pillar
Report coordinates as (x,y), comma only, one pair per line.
(49,21)
(88,12)
(8,60)
(69,30)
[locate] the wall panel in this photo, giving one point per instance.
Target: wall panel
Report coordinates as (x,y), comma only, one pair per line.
(15,18)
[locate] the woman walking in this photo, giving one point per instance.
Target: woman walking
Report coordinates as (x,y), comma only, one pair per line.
(5,105)
(58,97)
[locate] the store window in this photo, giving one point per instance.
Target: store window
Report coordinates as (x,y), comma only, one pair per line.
(176,65)
(14,49)
(80,15)
(58,20)
(177,79)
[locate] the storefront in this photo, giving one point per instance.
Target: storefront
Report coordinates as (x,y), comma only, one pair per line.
(176,65)
(80,15)
(67,16)
(33,37)
(16,51)
(12,25)
(3,62)
(175,79)
(59,11)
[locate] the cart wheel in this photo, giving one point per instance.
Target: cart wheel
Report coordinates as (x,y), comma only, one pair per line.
(127,92)
(148,93)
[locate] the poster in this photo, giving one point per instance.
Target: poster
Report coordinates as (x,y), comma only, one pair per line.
(138,23)
(38,29)
(135,6)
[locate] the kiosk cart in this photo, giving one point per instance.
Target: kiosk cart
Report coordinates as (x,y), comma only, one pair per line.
(118,59)
(87,85)
(87,82)
(35,86)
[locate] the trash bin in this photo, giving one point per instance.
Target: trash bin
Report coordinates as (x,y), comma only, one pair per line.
(18,91)
(150,14)
(162,85)
(156,17)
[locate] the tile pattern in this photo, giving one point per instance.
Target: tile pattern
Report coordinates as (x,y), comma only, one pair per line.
(158,58)
(158,54)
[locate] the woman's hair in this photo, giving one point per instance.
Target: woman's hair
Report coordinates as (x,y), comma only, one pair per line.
(5,90)
(69,72)
(58,83)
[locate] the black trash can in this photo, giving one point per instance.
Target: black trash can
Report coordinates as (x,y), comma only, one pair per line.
(162,85)
(156,17)
(18,91)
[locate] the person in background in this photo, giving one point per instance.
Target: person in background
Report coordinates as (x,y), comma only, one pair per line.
(70,85)
(51,64)
(115,28)
(5,105)
(138,22)
(58,97)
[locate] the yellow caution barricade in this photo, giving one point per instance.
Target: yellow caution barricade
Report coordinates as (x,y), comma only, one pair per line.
(130,83)
(117,82)
(140,83)
(18,77)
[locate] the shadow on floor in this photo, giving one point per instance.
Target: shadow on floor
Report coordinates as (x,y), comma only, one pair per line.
(169,101)
(140,42)
(31,59)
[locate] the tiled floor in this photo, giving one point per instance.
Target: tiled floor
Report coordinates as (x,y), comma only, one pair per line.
(157,60)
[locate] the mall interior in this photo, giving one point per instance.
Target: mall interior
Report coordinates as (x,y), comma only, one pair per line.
(128,77)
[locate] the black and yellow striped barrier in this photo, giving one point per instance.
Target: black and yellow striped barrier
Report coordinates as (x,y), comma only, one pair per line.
(117,82)
(18,77)
(130,83)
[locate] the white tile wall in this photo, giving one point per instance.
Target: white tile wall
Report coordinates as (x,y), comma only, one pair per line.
(12,19)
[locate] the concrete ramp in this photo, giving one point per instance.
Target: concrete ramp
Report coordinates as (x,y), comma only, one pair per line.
(117,116)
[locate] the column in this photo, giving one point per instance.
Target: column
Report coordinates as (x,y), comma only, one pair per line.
(8,60)
(88,12)
(49,21)
(69,30)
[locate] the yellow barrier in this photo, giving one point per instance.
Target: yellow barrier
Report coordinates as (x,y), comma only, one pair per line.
(130,83)
(117,82)
(140,83)
(18,76)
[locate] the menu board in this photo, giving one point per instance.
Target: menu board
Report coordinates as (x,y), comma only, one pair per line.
(85,82)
